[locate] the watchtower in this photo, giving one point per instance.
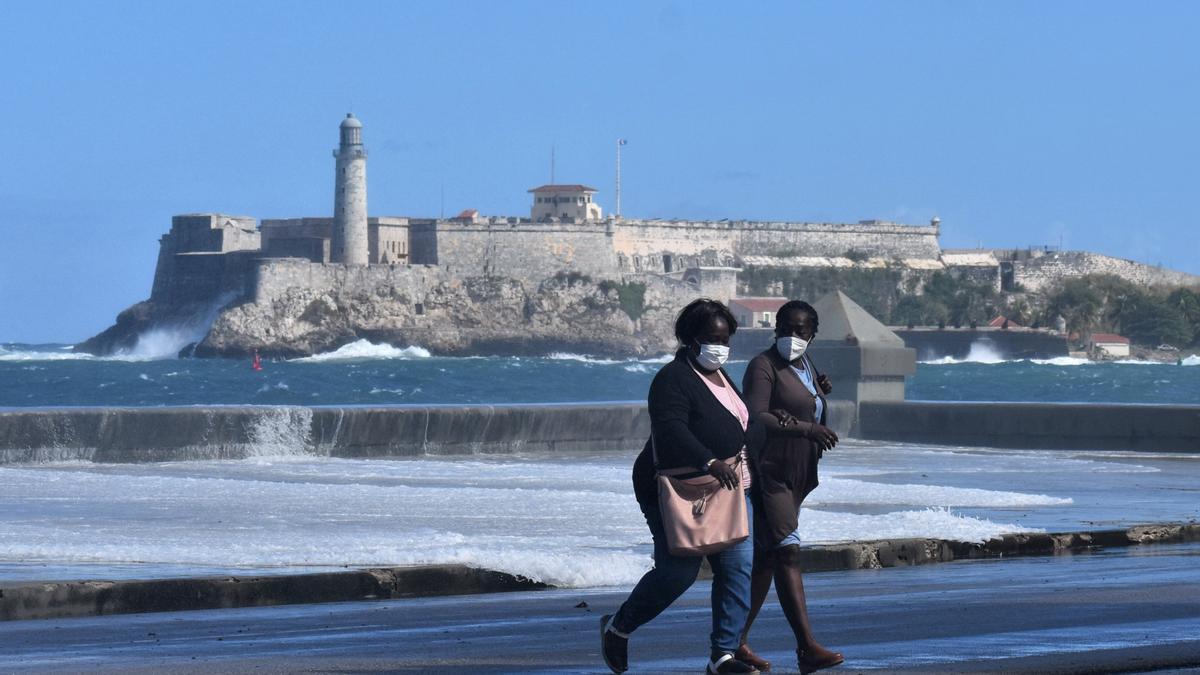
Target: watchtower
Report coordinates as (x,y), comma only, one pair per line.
(350,242)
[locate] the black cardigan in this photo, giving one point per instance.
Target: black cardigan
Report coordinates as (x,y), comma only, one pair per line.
(688,427)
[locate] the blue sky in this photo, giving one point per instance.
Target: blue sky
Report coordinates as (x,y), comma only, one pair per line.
(1017,123)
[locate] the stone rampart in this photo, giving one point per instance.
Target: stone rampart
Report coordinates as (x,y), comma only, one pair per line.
(666,246)
(1038,274)
(274,278)
(525,250)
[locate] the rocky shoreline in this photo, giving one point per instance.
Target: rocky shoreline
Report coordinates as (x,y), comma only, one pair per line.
(469,317)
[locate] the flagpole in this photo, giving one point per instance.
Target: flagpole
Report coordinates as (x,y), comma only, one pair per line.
(620,142)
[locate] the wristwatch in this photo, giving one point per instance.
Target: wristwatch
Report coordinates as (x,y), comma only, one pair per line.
(709,463)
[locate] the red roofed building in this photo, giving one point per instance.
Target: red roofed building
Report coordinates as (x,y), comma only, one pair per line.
(1110,344)
(755,312)
(565,202)
(1004,322)
(468,216)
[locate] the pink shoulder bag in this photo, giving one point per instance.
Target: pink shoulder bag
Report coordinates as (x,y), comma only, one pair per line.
(701,517)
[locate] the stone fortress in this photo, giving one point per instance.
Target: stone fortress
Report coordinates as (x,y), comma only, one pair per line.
(565,277)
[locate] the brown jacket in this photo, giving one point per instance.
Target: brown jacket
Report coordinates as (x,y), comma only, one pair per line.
(787,468)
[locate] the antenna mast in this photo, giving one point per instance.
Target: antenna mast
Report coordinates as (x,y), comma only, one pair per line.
(620,142)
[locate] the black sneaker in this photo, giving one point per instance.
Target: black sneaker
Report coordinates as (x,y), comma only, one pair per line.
(725,663)
(614,646)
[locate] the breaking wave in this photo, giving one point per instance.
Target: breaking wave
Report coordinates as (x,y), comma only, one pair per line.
(1062,361)
(980,352)
(365,349)
(583,358)
(34,353)
(166,341)
(1193,360)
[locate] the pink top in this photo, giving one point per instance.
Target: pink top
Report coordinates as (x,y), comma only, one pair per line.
(733,403)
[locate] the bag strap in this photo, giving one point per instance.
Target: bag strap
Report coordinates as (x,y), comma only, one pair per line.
(731,461)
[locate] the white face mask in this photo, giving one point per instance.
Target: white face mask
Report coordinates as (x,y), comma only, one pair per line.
(791,348)
(712,356)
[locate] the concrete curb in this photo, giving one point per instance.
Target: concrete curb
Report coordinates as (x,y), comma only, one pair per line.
(96,598)
(907,552)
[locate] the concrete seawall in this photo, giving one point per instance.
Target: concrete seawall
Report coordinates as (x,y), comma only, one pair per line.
(236,432)
(1092,426)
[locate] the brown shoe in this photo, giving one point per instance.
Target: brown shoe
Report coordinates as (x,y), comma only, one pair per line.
(744,655)
(818,658)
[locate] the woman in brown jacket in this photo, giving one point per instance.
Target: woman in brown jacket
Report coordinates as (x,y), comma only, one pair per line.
(784,392)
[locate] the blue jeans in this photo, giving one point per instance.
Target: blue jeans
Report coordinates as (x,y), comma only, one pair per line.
(673,574)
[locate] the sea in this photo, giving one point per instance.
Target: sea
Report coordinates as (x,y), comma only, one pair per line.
(569,520)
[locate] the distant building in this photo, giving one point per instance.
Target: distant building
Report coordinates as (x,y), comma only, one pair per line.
(1110,344)
(755,312)
(1003,322)
(565,202)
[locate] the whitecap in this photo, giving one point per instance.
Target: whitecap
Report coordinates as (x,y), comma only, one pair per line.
(1062,361)
(1193,360)
(980,352)
(583,358)
(365,349)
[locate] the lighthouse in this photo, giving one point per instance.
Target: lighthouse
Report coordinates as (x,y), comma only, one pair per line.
(350,196)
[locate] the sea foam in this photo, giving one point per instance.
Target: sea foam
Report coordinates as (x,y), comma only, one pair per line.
(566,521)
(980,352)
(365,349)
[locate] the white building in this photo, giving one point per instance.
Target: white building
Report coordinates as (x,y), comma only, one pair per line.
(1109,344)
(755,312)
(565,202)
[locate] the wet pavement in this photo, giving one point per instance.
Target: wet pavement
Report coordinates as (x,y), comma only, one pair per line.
(1124,610)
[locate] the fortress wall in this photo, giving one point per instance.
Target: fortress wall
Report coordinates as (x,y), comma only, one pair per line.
(528,251)
(201,278)
(273,277)
(883,240)
(1039,274)
(979,274)
(643,246)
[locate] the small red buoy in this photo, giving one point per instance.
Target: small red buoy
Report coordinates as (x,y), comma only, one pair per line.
(257,363)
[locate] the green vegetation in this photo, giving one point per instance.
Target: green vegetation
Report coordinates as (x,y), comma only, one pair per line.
(1147,316)
(1094,303)
(876,289)
(948,301)
(632,297)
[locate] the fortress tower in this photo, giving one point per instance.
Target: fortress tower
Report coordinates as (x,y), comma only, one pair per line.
(349,243)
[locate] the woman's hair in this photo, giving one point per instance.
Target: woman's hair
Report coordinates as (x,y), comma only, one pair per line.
(800,305)
(695,317)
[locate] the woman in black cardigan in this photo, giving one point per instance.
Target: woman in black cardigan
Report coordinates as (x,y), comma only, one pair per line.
(691,428)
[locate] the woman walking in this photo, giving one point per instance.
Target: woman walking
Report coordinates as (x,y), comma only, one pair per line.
(786,395)
(698,422)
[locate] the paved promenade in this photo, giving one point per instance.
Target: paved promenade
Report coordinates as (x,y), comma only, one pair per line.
(1125,610)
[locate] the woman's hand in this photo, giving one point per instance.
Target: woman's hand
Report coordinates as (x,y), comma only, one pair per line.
(823,436)
(786,419)
(825,385)
(725,475)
